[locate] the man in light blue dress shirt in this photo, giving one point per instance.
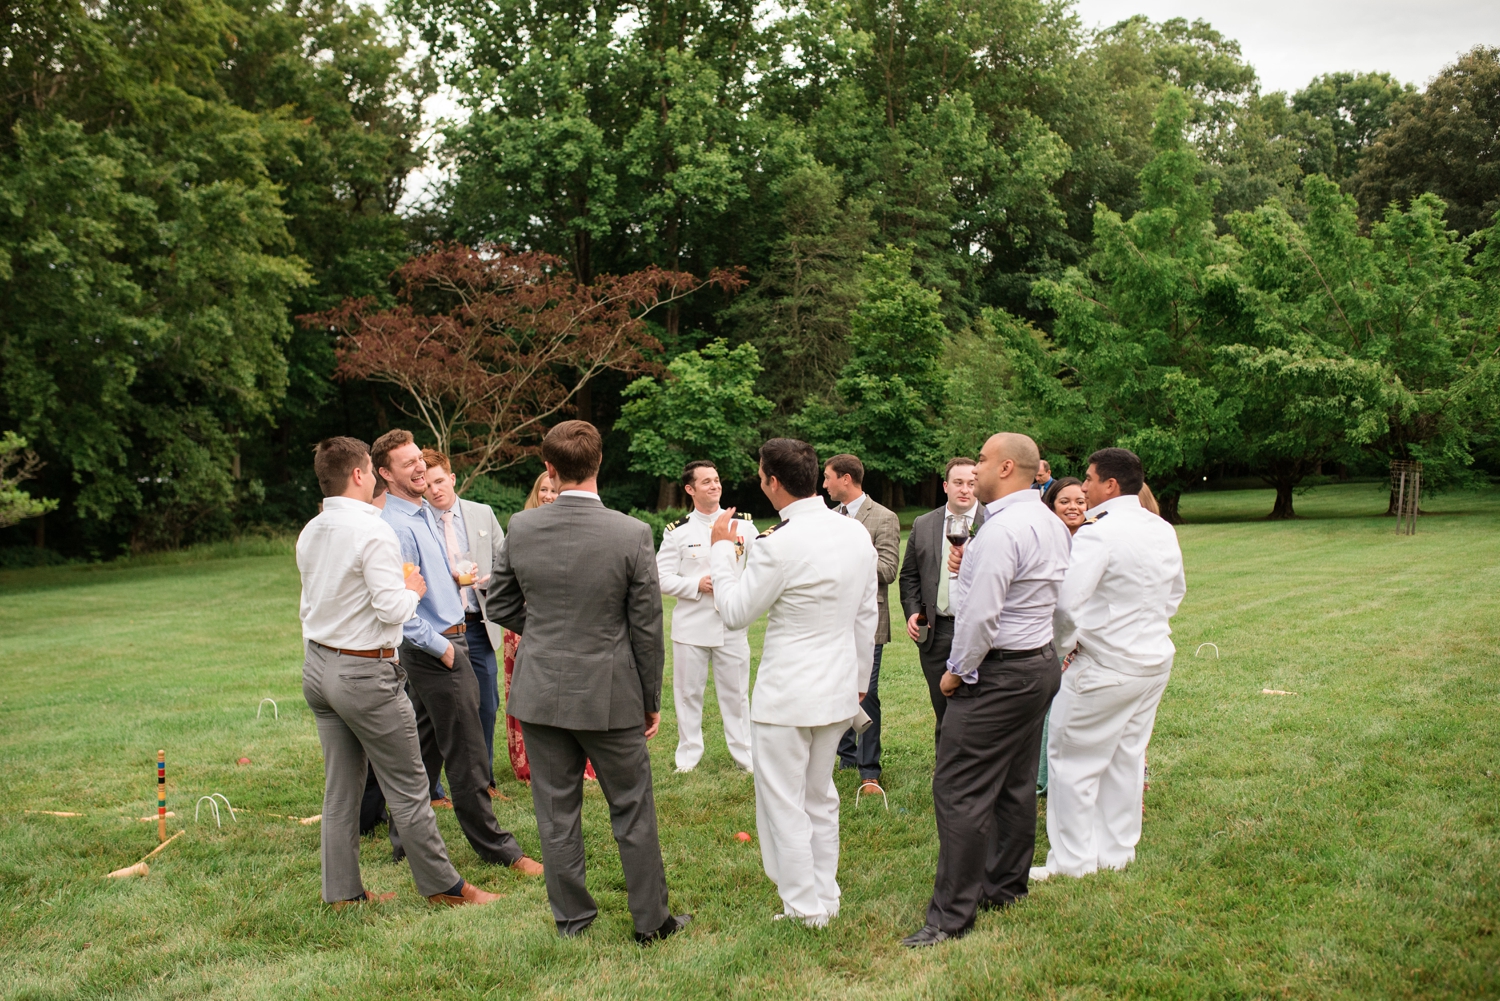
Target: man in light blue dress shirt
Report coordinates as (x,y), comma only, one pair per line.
(435,655)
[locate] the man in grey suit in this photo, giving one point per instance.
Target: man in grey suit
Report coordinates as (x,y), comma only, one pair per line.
(926,579)
(471,528)
(843,478)
(579,581)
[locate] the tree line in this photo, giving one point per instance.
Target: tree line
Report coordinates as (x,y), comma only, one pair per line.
(885,227)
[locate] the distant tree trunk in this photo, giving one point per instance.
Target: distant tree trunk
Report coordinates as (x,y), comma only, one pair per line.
(1283,508)
(1168,507)
(928,497)
(886,491)
(41,531)
(898,498)
(667,494)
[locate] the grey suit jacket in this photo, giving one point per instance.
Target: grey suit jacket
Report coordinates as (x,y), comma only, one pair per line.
(579,582)
(885,531)
(486,538)
(919,571)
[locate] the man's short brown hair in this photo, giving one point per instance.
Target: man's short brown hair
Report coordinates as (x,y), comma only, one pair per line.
(437,460)
(848,465)
(955,462)
(575,449)
(690,471)
(336,458)
(380,452)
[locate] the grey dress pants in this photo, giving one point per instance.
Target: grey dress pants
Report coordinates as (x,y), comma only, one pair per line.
(364,716)
(623,766)
(984,787)
(446,701)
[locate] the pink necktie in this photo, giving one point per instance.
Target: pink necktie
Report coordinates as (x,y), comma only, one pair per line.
(451,538)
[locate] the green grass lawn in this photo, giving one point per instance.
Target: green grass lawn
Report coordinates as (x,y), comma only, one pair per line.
(1338,842)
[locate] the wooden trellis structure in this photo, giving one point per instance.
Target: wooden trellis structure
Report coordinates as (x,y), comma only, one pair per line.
(1406,484)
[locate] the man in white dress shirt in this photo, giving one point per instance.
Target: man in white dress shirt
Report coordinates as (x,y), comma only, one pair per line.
(354,602)
(699,636)
(814,572)
(1121,591)
(1002,675)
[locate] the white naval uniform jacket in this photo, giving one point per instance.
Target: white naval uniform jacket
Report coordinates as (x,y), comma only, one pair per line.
(681,562)
(815,574)
(1124,583)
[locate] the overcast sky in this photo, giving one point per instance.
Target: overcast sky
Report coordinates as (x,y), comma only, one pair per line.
(1291,41)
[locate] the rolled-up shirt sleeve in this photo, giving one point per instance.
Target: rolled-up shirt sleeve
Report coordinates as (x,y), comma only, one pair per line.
(984,576)
(380,562)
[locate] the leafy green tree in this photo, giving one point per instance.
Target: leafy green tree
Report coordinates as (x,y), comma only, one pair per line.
(147,268)
(705,407)
(1136,329)
(17,465)
(1447,143)
(1339,116)
(891,391)
(1403,301)
(797,314)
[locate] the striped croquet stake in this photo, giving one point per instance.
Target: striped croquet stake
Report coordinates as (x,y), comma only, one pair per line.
(161,795)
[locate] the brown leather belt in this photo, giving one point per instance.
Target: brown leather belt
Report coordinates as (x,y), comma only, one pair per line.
(381,654)
(456,630)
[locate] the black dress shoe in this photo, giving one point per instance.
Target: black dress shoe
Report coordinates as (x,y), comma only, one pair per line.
(930,935)
(672,926)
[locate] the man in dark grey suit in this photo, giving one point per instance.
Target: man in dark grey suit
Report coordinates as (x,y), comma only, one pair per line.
(924,574)
(579,582)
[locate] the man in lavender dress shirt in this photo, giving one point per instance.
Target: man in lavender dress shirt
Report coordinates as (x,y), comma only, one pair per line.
(1002,675)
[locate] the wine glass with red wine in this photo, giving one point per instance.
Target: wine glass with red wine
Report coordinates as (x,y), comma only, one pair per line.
(956,527)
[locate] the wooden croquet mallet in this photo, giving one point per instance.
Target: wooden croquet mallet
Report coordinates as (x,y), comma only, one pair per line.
(161,795)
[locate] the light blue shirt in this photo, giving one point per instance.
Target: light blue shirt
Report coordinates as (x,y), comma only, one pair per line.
(421,540)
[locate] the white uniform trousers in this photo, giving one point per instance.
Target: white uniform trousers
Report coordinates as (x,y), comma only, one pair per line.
(1096,748)
(797,815)
(731,663)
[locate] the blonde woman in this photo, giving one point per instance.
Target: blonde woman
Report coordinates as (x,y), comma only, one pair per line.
(543,491)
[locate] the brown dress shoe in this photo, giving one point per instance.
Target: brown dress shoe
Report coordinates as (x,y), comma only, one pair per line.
(368,898)
(497,794)
(527,866)
(470,894)
(442,804)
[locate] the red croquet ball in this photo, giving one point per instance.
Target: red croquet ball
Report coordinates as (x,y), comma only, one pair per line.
(743,836)
(244,761)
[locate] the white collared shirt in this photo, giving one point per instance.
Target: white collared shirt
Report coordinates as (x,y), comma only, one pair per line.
(852,508)
(946,580)
(1007,586)
(815,574)
(579,493)
(1122,589)
(353,593)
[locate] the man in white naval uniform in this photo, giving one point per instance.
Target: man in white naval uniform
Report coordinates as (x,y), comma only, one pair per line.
(815,574)
(698,632)
(1124,583)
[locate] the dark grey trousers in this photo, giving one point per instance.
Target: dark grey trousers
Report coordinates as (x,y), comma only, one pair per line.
(984,787)
(934,665)
(447,707)
(620,760)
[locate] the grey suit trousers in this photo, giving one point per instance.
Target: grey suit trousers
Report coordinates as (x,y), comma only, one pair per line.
(446,702)
(623,766)
(984,787)
(363,715)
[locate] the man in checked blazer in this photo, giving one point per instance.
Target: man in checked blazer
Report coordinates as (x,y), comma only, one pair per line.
(925,579)
(579,582)
(843,478)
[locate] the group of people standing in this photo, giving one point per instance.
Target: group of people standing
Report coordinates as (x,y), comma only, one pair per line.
(401,673)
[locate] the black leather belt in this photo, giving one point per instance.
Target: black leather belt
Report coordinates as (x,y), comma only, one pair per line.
(1017,654)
